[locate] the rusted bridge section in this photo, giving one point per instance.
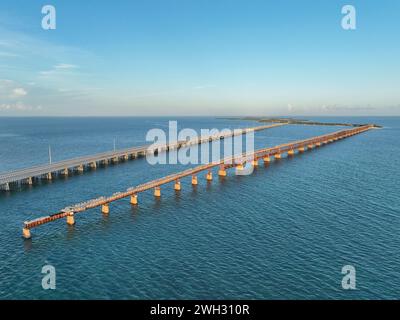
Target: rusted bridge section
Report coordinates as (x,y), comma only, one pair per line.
(237,161)
(49,171)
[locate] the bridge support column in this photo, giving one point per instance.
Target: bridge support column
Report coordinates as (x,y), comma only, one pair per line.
(310,146)
(301,149)
(49,176)
(80,168)
(157,192)
(222,171)
(26,233)
(291,152)
(105,208)
(65,172)
(209,176)
(177,186)
(318,144)
(134,199)
(29,181)
(70,219)
(126,157)
(239,168)
(115,160)
(93,165)
(194,180)
(278,156)
(5,187)
(254,162)
(267,159)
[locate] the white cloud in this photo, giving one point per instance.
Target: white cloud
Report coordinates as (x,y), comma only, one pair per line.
(65,66)
(59,69)
(19,106)
(19,92)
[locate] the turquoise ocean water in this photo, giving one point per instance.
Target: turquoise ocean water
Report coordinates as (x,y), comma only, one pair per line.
(285,232)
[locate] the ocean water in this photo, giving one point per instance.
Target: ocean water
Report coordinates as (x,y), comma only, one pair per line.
(285,232)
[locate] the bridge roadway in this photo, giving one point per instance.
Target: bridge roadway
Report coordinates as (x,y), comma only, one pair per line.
(46,171)
(237,161)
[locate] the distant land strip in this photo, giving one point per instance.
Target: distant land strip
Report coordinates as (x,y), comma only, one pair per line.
(301,121)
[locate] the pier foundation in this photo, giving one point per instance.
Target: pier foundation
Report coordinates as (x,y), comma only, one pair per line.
(278,156)
(209,176)
(194,180)
(70,219)
(291,152)
(105,208)
(222,171)
(134,199)
(177,186)
(157,192)
(267,159)
(26,233)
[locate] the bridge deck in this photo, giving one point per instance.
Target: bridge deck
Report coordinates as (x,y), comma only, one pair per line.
(45,169)
(223,163)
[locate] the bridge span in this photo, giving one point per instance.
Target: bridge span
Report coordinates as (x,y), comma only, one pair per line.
(63,168)
(237,161)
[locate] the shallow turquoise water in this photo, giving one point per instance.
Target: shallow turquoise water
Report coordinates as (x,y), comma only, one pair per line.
(283,232)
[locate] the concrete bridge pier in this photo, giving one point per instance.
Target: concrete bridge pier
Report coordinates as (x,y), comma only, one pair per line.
(194,180)
(26,233)
(5,187)
(70,219)
(126,157)
(65,172)
(134,199)
(157,192)
(301,149)
(291,152)
(209,176)
(27,181)
(267,159)
(222,171)
(310,146)
(115,160)
(48,176)
(318,144)
(177,186)
(278,156)
(105,208)
(80,168)
(254,162)
(93,165)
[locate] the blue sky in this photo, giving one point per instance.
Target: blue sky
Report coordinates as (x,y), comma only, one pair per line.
(199,57)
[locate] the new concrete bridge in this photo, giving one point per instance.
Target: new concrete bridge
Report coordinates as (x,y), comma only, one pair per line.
(80,164)
(237,161)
